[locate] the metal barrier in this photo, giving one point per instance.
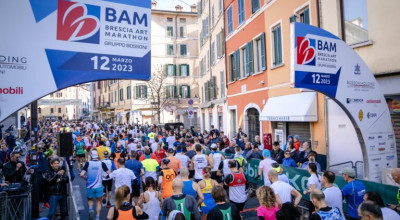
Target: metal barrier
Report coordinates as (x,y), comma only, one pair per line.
(73,212)
(358,167)
(3,205)
(19,206)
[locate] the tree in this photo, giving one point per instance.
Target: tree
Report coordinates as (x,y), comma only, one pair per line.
(157,91)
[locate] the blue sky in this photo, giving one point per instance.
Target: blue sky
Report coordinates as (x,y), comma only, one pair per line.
(170,4)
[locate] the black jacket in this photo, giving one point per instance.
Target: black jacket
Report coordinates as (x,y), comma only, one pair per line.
(13,175)
(303,156)
(277,156)
(54,187)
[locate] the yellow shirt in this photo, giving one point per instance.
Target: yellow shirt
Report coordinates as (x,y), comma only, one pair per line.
(101,151)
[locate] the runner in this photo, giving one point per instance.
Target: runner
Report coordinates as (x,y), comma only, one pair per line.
(222,210)
(94,188)
(237,186)
(151,199)
(106,180)
(215,159)
(80,152)
(123,176)
(190,187)
(199,162)
(207,185)
(137,168)
(165,179)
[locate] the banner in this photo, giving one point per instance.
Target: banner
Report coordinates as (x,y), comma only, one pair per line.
(324,63)
(298,179)
(48,45)
(59,102)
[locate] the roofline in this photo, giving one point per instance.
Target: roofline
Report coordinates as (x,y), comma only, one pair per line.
(173,12)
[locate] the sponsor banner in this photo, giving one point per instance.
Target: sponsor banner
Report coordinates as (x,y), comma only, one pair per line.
(325,63)
(54,44)
(59,102)
(298,179)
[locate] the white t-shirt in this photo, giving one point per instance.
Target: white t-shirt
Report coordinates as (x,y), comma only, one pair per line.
(333,198)
(184,159)
(389,214)
(132,147)
(313,179)
(266,166)
(123,176)
(171,141)
(284,191)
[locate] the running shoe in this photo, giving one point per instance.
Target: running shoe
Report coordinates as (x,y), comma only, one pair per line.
(92,214)
(104,199)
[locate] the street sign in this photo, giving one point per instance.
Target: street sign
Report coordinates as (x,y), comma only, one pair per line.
(190,114)
(190,101)
(69,43)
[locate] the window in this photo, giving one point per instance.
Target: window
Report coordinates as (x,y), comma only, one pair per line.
(212,53)
(230,24)
(121,94)
(277,45)
(355,17)
(112,100)
(40,110)
(184,91)
(222,79)
(220,44)
(201,67)
(170,19)
(255,5)
(182,32)
(208,60)
(184,70)
(220,6)
(141,91)
(59,94)
(170,31)
(182,20)
(305,16)
(170,91)
(234,65)
(260,51)
(170,50)
(128,92)
(241,11)
(51,95)
(183,50)
(59,110)
(66,110)
(243,59)
(212,16)
(115,96)
(170,69)
(249,59)
(51,110)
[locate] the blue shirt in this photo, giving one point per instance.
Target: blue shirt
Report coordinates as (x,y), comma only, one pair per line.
(289,162)
(135,166)
(353,192)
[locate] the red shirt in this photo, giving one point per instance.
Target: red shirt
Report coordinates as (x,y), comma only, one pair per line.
(160,155)
(152,156)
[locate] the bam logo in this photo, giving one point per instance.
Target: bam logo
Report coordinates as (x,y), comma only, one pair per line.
(78,22)
(306,51)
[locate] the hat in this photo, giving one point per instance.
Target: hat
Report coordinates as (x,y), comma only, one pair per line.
(165,161)
(290,136)
(297,137)
(266,153)
(213,146)
(349,172)
(276,167)
(94,154)
(106,153)
(276,143)
(170,150)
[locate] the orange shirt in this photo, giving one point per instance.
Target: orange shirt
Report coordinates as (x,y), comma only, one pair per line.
(174,163)
(166,186)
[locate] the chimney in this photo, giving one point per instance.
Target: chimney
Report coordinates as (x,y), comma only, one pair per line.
(153,4)
(178,8)
(193,8)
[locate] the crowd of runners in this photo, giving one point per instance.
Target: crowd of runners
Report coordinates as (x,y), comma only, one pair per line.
(149,171)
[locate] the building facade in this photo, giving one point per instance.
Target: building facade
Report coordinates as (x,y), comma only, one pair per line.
(213,108)
(67,104)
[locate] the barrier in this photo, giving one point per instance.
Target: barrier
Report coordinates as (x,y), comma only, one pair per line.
(73,212)
(299,177)
(19,206)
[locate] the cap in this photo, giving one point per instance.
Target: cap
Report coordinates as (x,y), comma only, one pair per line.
(276,143)
(349,172)
(94,154)
(213,146)
(106,153)
(165,161)
(266,153)
(276,167)
(170,150)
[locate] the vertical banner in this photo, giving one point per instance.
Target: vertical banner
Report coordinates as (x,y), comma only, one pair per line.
(326,64)
(53,44)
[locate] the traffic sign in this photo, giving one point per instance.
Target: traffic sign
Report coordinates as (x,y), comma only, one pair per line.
(190,101)
(190,114)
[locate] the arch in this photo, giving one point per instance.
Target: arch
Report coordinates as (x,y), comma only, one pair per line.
(246,121)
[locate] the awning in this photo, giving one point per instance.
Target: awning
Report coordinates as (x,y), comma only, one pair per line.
(297,107)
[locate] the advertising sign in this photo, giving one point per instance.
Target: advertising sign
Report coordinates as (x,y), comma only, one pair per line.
(53,44)
(325,63)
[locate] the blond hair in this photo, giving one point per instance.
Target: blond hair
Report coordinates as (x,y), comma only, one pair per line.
(120,194)
(266,196)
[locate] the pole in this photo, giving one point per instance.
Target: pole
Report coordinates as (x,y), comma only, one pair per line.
(34,119)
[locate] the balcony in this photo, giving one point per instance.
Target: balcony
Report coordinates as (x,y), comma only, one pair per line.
(104,105)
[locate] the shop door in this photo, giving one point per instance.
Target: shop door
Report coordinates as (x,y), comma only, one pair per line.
(253,123)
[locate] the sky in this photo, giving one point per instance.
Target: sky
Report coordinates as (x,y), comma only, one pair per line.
(170,4)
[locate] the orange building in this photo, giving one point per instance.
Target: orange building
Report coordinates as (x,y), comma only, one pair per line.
(260,97)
